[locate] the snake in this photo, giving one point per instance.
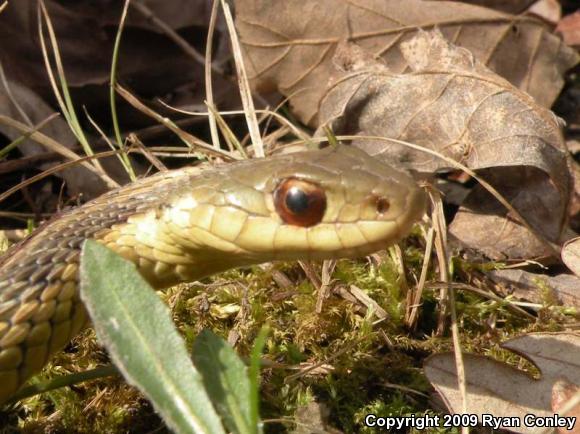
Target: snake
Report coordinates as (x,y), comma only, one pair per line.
(185,224)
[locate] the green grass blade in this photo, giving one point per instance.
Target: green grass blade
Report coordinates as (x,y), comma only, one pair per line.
(254,376)
(123,155)
(226,380)
(136,327)
(64,99)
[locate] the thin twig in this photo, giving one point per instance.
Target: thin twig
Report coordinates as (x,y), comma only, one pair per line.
(514,306)
(147,153)
(108,142)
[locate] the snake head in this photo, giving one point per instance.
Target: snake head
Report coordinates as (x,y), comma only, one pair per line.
(330,203)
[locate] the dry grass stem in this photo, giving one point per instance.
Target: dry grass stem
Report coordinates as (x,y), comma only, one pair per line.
(54,146)
(328,267)
(244,85)
(55,169)
(187,138)
(64,100)
(230,137)
(108,142)
(34,128)
(418,293)
(215,138)
(281,119)
(447,297)
(134,140)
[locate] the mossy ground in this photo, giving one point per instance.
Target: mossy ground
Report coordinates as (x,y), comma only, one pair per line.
(361,365)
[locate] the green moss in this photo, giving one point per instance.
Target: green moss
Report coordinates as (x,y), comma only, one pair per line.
(341,357)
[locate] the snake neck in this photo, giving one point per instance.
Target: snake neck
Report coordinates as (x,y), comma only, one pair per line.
(168,250)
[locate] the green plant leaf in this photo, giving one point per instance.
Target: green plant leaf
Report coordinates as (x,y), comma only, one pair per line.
(136,327)
(226,379)
(254,376)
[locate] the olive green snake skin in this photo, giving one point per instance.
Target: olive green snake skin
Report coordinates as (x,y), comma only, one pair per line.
(179,226)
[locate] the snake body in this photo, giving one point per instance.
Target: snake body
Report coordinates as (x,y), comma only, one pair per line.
(182,225)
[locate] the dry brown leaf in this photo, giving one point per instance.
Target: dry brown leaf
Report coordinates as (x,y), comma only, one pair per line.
(574,211)
(548,10)
(571,255)
(177,14)
(500,390)
(149,61)
(482,223)
(569,27)
(562,289)
(562,392)
(289,45)
(509,6)
(451,103)
(573,145)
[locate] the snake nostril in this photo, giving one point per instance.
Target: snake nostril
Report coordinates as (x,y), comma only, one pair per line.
(382,204)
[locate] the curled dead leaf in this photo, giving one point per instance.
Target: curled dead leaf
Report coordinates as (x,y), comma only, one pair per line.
(450,103)
(289,45)
(500,390)
(571,255)
(548,10)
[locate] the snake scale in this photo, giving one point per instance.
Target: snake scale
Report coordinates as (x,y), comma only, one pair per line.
(179,226)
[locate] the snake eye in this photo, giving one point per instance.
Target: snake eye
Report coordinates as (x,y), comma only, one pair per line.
(299,203)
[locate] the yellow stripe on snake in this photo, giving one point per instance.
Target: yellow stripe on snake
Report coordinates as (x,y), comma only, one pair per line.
(182,225)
